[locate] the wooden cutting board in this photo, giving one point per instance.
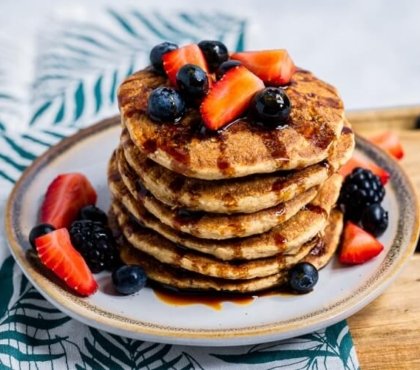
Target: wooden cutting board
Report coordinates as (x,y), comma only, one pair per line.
(386,333)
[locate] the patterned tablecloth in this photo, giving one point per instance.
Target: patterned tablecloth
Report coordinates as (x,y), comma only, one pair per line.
(70,82)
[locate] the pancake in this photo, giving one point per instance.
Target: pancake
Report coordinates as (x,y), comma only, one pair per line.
(211,225)
(153,244)
(246,195)
(186,280)
(243,148)
(285,238)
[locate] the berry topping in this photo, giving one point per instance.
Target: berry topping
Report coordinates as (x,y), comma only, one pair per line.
(93,213)
(225,66)
(374,220)
(215,53)
(57,254)
(95,243)
(157,53)
(229,97)
(275,67)
(129,279)
(192,81)
(357,160)
(358,245)
(165,104)
(360,189)
(65,196)
(302,277)
(174,60)
(38,231)
(271,106)
(389,142)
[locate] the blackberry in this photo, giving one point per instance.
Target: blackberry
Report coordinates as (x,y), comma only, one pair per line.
(360,189)
(95,243)
(93,213)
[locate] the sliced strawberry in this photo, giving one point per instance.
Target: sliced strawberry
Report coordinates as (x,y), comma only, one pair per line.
(65,196)
(358,161)
(275,67)
(229,97)
(358,246)
(389,142)
(58,254)
(188,54)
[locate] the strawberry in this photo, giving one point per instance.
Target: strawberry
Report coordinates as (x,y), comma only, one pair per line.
(65,196)
(389,142)
(58,254)
(275,67)
(229,97)
(188,54)
(358,161)
(358,246)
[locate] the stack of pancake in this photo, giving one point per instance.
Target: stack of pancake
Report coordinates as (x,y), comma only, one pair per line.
(232,210)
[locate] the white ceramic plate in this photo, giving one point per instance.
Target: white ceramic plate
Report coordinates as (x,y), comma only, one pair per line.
(340,292)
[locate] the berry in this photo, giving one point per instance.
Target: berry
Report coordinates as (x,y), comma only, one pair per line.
(95,243)
(225,66)
(358,246)
(275,67)
(93,213)
(271,106)
(165,104)
(65,196)
(360,189)
(192,81)
(129,279)
(374,220)
(38,231)
(229,97)
(389,142)
(215,53)
(358,161)
(302,277)
(157,53)
(58,254)
(174,60)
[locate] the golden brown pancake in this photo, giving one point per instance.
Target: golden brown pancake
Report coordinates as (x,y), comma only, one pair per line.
(211,225)
(285,238)
(187,280)
(243,148)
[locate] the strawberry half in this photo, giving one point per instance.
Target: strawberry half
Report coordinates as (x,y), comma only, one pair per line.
(188,54)
(358,161)
(65,196)
(389,142)
(58,254)
(229,97)
(275,67)
(358,246)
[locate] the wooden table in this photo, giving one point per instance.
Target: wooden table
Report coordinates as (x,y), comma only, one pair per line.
(387,332)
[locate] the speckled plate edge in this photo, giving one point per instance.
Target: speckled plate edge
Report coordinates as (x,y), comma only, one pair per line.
(399,253)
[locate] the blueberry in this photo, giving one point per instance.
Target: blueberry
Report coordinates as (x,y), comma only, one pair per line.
(157,52)
(39,230)
(215,53)
(225,66)
(374,219)
(192,81)
(93,213)
(303,277)
(165,104)
(129,279)
(271,105)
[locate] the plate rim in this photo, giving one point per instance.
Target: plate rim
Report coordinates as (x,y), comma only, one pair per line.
(86,312)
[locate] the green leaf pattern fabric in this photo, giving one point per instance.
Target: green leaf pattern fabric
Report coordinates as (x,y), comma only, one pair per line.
(75,73)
